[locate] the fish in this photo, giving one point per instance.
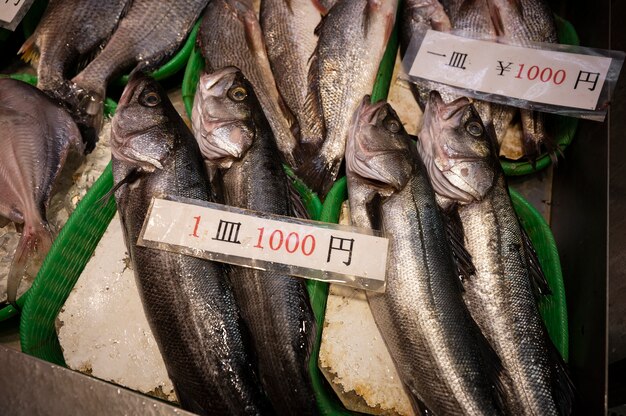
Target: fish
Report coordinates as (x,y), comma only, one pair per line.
(352,40)
(442,358)
(37,135)
(461,159)
(188,301)
(289,31)
(236,143)
(69,32)
(146,36)
(230,35)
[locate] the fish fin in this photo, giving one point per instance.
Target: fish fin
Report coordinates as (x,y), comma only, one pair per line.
(538,280)
(131,177)
(320,7)
(312,106)
(456,238)
(32,249)
(29,51)
(317,175)
(298,209)
(496,18)
(535,135)
(494,370)
(563,390)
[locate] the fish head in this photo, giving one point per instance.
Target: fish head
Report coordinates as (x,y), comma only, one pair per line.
(457,150)
(137,129)
(222,116)
(379,149)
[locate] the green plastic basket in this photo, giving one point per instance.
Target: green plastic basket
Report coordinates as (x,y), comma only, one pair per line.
(76,243)
(565,127)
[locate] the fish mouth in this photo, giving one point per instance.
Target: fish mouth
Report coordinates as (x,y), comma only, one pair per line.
(446,111)
(130,155)
(367,111)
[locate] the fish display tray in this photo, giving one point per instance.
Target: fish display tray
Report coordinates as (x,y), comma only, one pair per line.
(77,241)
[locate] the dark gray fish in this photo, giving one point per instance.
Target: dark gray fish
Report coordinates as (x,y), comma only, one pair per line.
(69,31)
(463,167)
(36,136)
(230,35)
(146,36)
(188,301)
(289,32)
(439,352)
(352,40)
(236,142)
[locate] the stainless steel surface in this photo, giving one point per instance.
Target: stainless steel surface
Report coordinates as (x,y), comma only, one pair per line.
(41,388)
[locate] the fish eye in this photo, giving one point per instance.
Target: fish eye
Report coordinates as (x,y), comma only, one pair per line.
(392,125)
(151,99)
(474,128)
(238,93)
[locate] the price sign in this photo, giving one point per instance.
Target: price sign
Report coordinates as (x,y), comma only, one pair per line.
(12,12)
(500,72)
(309,249)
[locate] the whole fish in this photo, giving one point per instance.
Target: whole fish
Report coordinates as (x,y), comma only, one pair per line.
(289,32)
(462,163)
(69,31)
(148,34)
(230,35)
(352,40)
(236,142)
(188,301)
(439,352)
(36,136)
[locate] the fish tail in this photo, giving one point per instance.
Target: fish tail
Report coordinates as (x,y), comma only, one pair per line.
(318,174)
(535,135)
(33,247)
(30,51)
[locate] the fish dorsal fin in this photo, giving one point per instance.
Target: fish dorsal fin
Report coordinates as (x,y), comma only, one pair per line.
(538,281)
(456,238)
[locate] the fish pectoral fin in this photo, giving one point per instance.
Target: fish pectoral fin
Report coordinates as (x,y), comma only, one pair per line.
(131,177)
(30,51)
(32,249)
(538,281)
(456,238)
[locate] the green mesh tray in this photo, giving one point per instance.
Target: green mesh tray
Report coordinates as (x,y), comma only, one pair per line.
(77,241)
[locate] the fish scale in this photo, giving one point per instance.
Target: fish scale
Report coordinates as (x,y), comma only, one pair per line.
(188,301)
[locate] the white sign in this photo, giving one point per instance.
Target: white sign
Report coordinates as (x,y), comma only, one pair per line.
(308,249)
(12,12)
(540,76)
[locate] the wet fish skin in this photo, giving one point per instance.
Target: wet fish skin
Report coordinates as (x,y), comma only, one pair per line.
(37,135)
(188,301)
(352,40)
(441,357)
(462,164)
(289,31)
(147,35)
(236,140)
(230,35)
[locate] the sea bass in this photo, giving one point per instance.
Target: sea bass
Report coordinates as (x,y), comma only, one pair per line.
(236,142)
(439,352)
(462,163)
(230,35)
(37,135)
(147,35)
(289,32)
(188,301)
(69,31)
(352,40)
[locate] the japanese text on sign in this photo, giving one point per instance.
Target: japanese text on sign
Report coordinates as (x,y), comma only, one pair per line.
(540,76)
(303,248)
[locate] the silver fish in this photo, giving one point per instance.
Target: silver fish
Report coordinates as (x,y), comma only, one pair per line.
(69,31)
(289,32)
(352,40)
(237,144)
(36,136)
(439,352)
(230,35)
(462,163)
(188,301)
(148,34)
